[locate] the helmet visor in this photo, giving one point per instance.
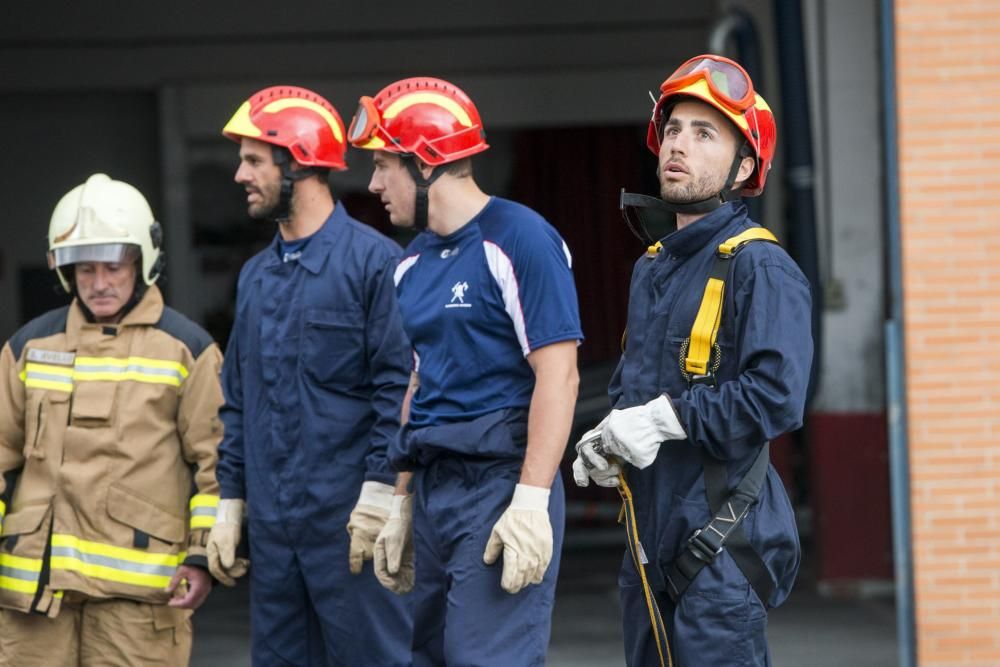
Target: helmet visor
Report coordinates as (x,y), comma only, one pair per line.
(112,253)
(729,83)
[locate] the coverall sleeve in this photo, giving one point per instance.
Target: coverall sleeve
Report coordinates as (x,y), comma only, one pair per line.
(773,339)
(229,470)
(390,362)
(201,430)
(11,428)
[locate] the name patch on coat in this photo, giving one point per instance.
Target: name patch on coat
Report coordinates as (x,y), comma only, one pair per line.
(51,357)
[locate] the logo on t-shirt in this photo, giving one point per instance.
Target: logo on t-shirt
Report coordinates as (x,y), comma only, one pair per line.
(458,294)
(449,252)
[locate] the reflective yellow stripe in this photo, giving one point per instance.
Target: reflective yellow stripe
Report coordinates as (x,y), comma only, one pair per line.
(21,563)
(139,369)
(108,369)
(109,573)
(706,327)
(203,510)
(407,101)
(111,563)
(203,500)
(47,376)
(18,585)
(19,574)
(3,512)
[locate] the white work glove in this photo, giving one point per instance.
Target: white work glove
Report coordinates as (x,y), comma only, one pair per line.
(635,434)
(524,535)
(591,464)
(223,539)
(394,547)
(366,522)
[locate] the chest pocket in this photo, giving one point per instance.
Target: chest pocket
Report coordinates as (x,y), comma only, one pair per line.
(44,422)
(93,403)
(333,350)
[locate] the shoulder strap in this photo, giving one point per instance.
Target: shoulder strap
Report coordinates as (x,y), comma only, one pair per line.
(706,323)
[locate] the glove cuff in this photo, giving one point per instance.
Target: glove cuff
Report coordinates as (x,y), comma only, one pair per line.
(230,510)
(530,498)
(377,495)
(402,507)
(661,410)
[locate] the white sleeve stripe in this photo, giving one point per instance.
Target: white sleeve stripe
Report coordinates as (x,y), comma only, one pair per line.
(404,265)
(416,362)
(502,271)
(569,257)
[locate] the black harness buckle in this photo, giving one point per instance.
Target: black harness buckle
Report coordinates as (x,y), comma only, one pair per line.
(707,379)
(706,544)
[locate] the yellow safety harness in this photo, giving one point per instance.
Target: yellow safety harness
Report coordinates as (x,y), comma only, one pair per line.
(698,350)
(700,357)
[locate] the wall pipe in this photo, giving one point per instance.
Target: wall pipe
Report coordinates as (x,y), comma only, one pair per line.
(895,360)
(799,175)
(737,27)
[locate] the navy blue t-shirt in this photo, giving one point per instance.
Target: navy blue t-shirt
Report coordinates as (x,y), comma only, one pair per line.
(475,303)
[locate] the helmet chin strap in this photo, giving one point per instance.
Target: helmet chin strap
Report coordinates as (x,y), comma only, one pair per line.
(283,210)
(422,203)
(632,205)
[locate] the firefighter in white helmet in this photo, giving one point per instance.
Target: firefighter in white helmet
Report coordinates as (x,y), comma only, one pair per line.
(108,435)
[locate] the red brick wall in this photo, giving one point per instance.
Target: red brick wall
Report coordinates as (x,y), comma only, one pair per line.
(948,87)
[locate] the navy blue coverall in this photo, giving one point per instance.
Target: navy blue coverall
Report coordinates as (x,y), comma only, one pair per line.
(314,376)
(766,349)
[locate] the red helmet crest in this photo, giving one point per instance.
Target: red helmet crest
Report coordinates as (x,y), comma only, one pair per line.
(430,118)
(294,118)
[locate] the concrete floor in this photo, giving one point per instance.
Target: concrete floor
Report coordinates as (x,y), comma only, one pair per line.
(807,630)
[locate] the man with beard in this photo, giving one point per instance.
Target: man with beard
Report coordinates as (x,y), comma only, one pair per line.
(109,431)
(314,377)
(715,365)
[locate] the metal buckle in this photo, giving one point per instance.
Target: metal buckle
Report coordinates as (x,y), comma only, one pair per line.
(708,379)
(704,547)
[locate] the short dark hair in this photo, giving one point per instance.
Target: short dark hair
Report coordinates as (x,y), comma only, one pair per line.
(459,168)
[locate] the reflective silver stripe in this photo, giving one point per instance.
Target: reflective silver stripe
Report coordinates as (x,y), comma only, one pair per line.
(114,563)
(203,511)
(36,375)
(131,368)
(18,573)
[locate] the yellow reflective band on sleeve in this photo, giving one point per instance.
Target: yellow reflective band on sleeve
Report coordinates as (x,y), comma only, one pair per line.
(138,369)
(706,327)
(19,574)
(323,112)
(111,563)
(46,376)
(3,512)
(203,509)
(407,101)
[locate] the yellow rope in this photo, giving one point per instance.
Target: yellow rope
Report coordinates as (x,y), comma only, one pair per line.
(655,619)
